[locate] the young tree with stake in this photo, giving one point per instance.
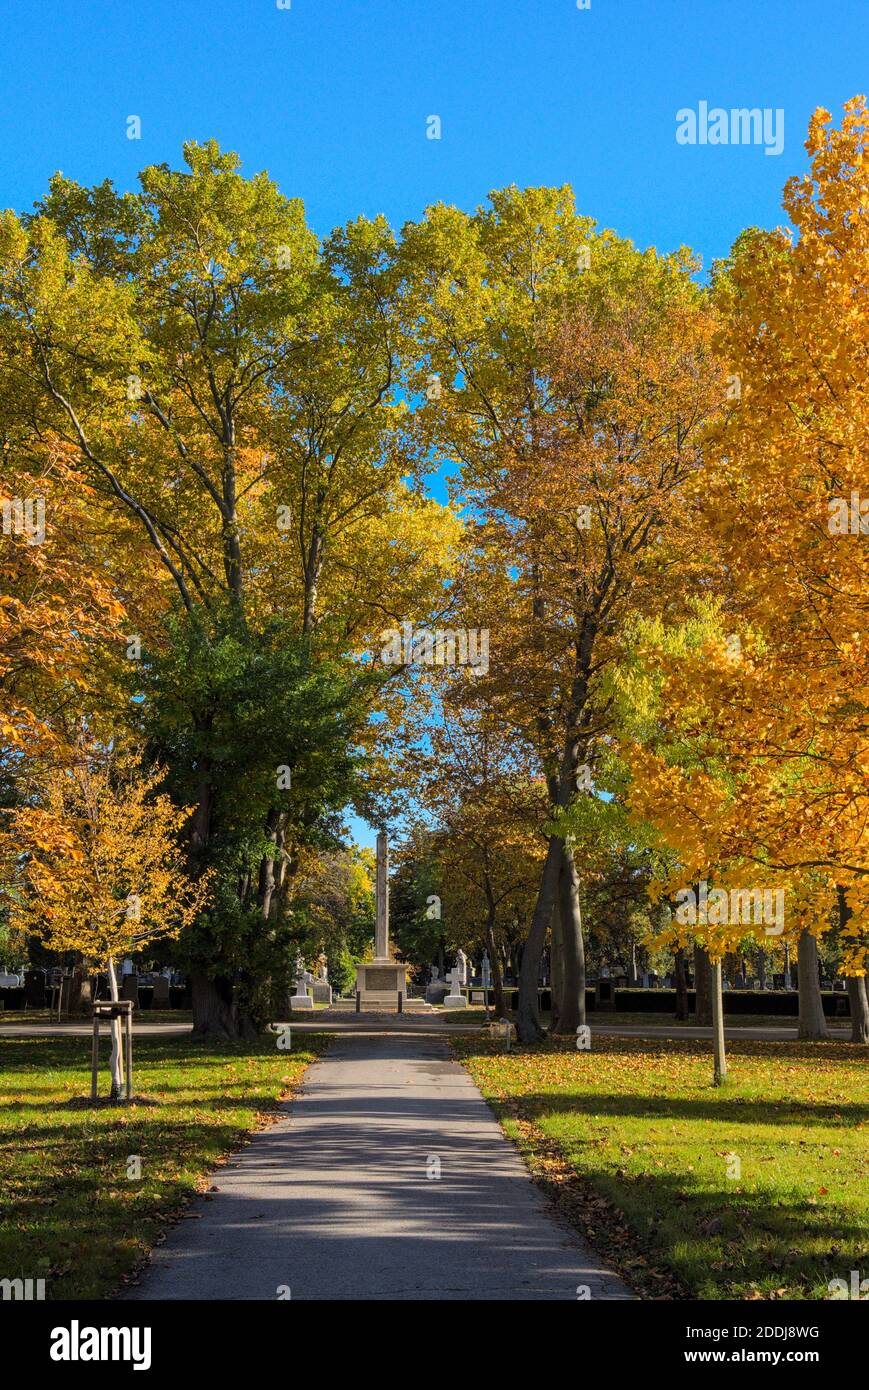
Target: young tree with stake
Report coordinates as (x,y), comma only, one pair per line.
(95,866)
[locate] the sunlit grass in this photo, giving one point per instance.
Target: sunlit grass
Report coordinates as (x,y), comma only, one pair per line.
(69,1213)
(758,1188)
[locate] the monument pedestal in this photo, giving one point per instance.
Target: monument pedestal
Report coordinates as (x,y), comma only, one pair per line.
(380,983)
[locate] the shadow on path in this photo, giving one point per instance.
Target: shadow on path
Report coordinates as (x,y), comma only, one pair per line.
(389,1178)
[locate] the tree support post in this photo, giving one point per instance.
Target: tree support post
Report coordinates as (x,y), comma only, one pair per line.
(720,1065)
(110,1010)
(95,1055)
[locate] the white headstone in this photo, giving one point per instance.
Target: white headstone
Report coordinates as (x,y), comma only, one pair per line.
(301,999)
(455,999)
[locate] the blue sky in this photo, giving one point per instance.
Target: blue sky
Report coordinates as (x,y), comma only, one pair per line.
(332,97)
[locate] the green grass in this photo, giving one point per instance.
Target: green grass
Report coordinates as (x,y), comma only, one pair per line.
(639,1144)
(69,1214)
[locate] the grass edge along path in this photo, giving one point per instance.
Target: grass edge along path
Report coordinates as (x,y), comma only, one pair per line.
(72,1210)
(635,1147)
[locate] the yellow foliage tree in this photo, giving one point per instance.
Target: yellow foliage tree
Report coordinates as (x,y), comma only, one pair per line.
(96,866)
(777,699)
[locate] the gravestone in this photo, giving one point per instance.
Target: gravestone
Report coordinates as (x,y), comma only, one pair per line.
(160,997)
(322,990)
(130,988)
(301,999)
(604,994)
(455,999)
(437,989)
(34,989)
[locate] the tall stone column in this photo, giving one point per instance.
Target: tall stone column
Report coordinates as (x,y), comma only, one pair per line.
(381,928)
(381,983)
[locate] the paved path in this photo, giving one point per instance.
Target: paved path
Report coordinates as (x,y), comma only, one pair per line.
(333,1201)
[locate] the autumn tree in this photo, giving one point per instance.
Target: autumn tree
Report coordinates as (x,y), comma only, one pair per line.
(59,613)
(228,390)
(777,695)
(94,866)
(490,812)
(574,375)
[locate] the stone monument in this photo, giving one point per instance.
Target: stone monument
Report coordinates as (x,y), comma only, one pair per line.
(321,987)
(455,999)
(301,999)
(381,983)
(462,966)
(436,988)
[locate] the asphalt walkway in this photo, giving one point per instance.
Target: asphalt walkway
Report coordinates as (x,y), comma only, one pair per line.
(388,1178)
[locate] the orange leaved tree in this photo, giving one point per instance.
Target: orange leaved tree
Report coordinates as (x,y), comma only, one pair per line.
(94,866)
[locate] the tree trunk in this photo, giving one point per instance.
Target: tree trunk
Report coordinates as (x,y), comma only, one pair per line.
(116,1060)
(858,997)
(528,1026)
(812,1021)
(557,970)
(761,967)
(858,994)
(719,1075)
(681,986)
(572,1013)
(214,1011)
(702,986)
(495,966)
(313,567)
